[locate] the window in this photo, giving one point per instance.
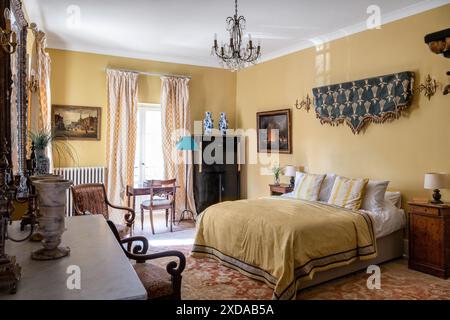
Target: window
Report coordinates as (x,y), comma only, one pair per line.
(149,163)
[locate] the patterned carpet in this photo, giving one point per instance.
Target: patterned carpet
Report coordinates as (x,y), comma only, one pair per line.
(205,279)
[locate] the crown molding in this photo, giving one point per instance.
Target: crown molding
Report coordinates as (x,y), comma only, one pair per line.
(133,55)
(420,7)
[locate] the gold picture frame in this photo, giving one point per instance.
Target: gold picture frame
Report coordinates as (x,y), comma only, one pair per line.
(77,122)
(274,120)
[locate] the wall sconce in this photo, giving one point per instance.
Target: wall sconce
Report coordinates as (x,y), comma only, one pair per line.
(8,38)
(32,82)
(305,103)
(429,87)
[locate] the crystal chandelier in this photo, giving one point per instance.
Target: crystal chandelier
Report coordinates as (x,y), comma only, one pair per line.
(232,55)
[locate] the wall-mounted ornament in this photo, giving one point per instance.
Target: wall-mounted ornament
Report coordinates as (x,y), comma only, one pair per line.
(304,104)
(447,87)
(358,103)
(429,87)
(439,42)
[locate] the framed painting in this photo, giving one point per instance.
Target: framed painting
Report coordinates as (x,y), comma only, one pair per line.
(274,131)
(76,123)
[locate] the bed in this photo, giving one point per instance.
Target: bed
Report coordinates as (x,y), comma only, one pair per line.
(293,244)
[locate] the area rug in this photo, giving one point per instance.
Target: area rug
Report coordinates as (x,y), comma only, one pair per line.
(206,279)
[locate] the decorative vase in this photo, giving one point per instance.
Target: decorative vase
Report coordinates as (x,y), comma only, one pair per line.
(208,123)
(37,234)
(52,205)
(277,180)
(223,123)
(42,162)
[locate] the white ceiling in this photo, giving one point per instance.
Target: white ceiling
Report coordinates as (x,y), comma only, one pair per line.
(182,31)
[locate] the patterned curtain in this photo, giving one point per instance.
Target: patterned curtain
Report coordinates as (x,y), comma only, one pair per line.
(121,133)
(176,124)
(40,101)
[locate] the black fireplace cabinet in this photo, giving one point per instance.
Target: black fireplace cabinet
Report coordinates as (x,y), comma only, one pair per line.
(217,177)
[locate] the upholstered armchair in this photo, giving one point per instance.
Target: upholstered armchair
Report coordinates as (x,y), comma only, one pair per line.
(92,199)
(160,283)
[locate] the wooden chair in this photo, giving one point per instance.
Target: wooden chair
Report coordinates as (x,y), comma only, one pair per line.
(92,199)
(160,283)
(162,197)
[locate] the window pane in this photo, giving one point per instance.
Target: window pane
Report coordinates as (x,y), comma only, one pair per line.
(149,156)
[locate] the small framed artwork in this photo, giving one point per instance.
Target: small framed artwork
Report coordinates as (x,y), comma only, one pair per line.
(274,131)
(76,123)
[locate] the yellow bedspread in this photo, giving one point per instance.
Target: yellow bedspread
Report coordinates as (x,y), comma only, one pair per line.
(283,242)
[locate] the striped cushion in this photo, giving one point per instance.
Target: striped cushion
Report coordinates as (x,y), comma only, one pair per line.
(308,187)
(348,193)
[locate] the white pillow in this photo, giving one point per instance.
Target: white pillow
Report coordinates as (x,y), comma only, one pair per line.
(298,177)
(394,197)
(327,186)
(374,197)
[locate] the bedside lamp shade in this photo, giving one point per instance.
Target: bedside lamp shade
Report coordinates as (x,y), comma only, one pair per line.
(187,144)
(435,181)
(290,171)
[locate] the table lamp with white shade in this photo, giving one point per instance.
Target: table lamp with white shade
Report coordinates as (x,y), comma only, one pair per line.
(290,171)
(435,182)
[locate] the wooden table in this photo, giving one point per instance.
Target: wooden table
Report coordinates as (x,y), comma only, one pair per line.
(276,190)
(106,273)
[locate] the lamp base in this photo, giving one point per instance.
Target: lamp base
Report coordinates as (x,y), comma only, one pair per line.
(292,182)
(437,197)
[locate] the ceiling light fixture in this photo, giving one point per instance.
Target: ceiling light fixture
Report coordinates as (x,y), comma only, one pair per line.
(232,55)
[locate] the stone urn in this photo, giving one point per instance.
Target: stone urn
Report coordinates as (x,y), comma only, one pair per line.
(52,208)
(37,235)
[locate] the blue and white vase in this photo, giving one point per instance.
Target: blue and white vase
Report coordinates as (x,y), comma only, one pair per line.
(42,163)
(223,123)
(208,123)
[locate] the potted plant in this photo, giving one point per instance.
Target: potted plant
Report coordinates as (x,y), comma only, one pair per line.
(41,139)
(277,171)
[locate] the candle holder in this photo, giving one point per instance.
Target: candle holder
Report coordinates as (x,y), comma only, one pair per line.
(10,271)
(8,38)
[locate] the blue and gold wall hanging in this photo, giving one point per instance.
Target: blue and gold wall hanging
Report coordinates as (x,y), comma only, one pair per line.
(358,103)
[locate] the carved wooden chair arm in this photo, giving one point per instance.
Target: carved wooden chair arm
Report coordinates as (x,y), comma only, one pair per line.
(137,249)
(172,267)
(129,217)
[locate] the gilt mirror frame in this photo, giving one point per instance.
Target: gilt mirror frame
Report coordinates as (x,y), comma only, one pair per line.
(13,86)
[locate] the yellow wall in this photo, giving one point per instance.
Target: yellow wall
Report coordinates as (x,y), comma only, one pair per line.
(80,79)
(401,151)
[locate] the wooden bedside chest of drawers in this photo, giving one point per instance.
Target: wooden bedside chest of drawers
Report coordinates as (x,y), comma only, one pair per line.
(429,238)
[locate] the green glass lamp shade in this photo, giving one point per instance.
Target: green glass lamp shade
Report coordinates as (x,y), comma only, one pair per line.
(187,144)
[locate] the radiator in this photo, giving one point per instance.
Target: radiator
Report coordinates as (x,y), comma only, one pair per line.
(80,176)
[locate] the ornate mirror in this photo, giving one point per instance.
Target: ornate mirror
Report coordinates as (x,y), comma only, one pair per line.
(13,84)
